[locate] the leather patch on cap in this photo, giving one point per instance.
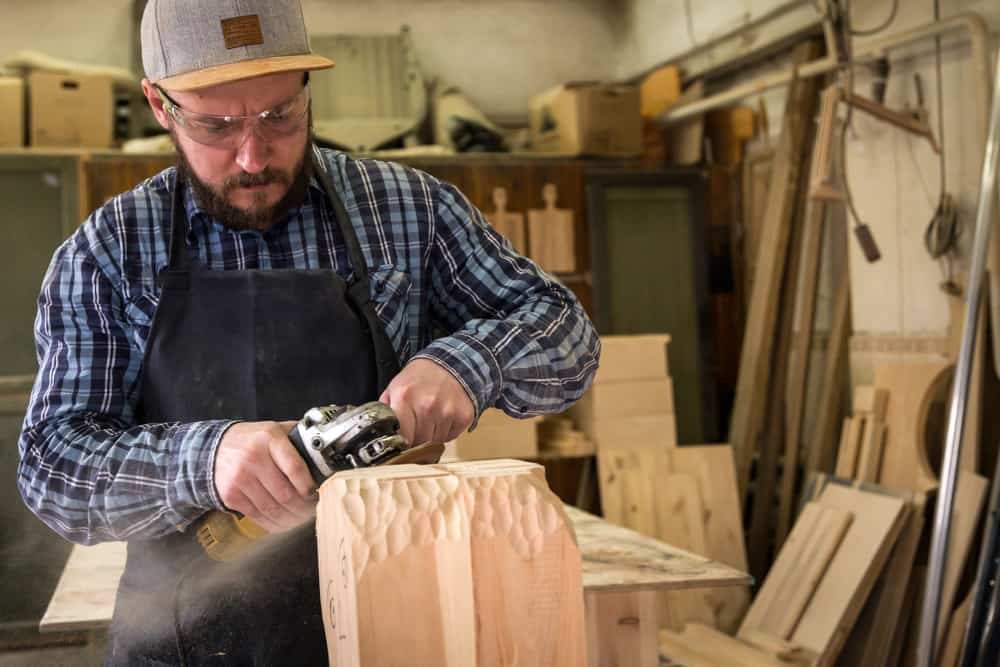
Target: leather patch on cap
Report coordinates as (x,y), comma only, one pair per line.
(242,31)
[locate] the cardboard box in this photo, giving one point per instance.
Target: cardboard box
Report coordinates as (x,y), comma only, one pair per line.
(641,357)
(11,112)
(497,436)
(587,118)
(616,400)
(71,110)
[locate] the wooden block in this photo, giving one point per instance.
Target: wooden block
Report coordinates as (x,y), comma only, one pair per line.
(500,573)
(526,566)
(905,466)
(862,555)
(515,438)
(508,225)
(847,457)
(621,629)
(552,234)
(614,400)
(626,358)
(658,430)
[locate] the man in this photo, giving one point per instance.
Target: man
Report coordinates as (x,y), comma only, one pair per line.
(189,319)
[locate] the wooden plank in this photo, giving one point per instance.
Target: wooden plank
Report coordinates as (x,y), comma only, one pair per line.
(552,234)
(616,558)
(870,642)
(911,386)
(800,354)
(828,416)
(84,598)
(838,599)
(702,645)
(783,570)
(633,357)
(622,629)
(810,568)
(872,446)
(970,494)
(658,430)
(847,457)
(714,469)
(755,357)
(615,400)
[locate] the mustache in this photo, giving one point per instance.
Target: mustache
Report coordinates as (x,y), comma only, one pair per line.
(266,177)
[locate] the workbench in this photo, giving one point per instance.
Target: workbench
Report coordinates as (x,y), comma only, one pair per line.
(622,571)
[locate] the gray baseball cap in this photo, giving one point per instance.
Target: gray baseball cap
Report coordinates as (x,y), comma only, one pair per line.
(191,44)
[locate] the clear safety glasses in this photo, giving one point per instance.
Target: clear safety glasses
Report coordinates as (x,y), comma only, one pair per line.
(229,131)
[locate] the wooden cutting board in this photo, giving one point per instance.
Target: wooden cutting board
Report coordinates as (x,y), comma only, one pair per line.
(552,234)
(508,225)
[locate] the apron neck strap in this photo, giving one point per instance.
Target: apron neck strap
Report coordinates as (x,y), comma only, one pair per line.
(177,259)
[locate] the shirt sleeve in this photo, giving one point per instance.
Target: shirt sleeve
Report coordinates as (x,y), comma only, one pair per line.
(519,340)
(86,468)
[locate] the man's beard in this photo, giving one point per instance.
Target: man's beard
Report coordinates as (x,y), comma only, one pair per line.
(216,204)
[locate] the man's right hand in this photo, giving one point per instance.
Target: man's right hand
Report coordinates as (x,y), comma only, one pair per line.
(259,474)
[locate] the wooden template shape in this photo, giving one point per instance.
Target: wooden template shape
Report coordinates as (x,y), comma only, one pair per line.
(552,234)
(905,465)
(462,564)
(508,225)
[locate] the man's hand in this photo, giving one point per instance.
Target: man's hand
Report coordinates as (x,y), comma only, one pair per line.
(431,405)
(259,473)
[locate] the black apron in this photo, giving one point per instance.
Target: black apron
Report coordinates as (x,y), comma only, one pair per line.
(248,345)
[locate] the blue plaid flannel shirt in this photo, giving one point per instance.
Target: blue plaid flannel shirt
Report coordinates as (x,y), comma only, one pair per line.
(518,340)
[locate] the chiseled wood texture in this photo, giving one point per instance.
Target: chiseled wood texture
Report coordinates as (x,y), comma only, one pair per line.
(500,580)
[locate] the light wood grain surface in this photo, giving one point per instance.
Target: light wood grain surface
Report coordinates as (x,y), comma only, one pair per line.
(614,559)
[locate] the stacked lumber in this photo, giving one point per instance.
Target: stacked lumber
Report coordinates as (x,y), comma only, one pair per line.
(863,437)
(817,587)
(632,396)
(886,440)
(557,437)
(498,569)
(496,436)
(685,496)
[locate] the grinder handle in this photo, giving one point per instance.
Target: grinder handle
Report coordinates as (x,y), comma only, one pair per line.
(301,448)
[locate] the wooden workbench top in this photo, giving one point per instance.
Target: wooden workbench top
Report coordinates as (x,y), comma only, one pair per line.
(614,559)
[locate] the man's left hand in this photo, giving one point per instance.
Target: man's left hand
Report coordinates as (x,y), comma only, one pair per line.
(431,405)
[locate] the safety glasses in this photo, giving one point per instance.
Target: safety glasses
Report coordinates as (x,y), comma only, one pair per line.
(229,131)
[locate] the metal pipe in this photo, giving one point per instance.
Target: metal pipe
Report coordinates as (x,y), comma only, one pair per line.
(712,42)
(968,21)
(960,390)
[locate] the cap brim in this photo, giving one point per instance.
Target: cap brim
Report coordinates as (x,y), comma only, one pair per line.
(247,69)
